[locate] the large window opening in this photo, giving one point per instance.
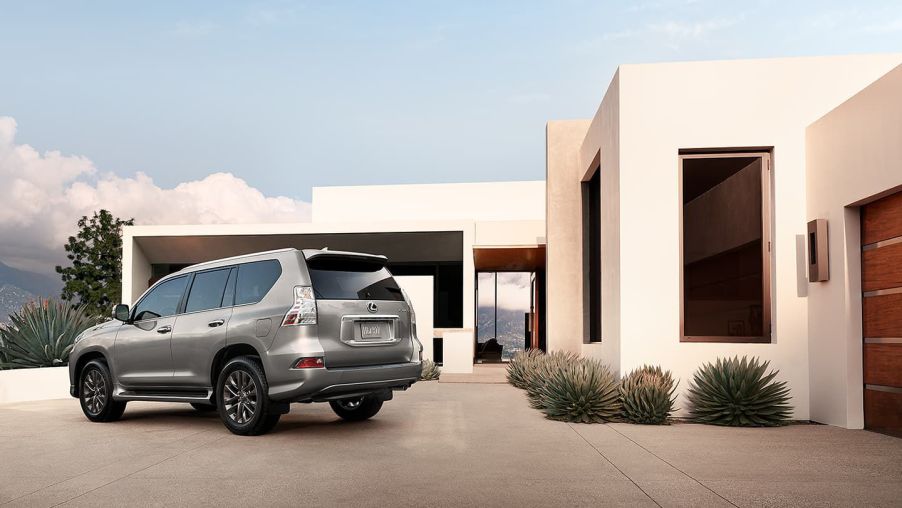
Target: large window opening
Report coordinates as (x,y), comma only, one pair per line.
(726,247)
(591,193)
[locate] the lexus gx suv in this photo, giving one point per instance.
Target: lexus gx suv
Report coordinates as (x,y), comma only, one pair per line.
(247,336)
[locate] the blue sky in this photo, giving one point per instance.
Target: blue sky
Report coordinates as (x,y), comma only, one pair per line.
(290,95)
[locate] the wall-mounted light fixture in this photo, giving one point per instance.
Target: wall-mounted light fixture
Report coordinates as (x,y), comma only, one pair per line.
(818,252)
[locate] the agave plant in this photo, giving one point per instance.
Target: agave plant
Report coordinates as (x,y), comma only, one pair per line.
(542,368)
(41,334)
(738,392)
(647,395)
(583,391)
(431,371)
(522,366)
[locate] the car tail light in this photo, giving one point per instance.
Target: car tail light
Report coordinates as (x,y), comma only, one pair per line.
(303,312)
(309,362)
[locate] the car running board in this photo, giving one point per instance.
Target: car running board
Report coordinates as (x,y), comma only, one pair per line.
(199,396)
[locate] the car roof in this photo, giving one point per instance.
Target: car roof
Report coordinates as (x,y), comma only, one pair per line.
(215,263)
(254,256)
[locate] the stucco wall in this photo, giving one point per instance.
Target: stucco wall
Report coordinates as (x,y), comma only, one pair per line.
(738,104)
(603,141)
(563,319)
(43,383)
(136,270)
(854,156)
(419,289)
(490,201)
(510,233)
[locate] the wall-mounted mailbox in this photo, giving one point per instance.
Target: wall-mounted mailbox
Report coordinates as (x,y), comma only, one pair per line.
(818,252)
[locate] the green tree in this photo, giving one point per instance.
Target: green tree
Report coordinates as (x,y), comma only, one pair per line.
(95,278)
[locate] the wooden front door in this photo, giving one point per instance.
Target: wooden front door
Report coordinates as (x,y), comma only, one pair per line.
(881,282)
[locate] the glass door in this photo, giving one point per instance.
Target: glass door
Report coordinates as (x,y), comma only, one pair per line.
(502,315)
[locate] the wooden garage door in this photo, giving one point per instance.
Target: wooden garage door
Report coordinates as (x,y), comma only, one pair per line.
(881,274)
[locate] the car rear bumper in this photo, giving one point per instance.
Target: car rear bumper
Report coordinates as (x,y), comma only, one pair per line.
(313,385)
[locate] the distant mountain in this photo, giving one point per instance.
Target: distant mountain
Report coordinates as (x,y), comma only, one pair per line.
(18,287)
(12,299)
(46,285)
(511,328)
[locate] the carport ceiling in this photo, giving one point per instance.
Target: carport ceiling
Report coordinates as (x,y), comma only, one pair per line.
(400,247)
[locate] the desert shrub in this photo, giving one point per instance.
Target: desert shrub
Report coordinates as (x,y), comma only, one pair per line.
(647,395)
(738,392)
(41,334)
(431,371)
(522,367)
(543,367)
(583,391)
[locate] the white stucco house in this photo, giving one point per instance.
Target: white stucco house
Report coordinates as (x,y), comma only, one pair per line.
(707,209)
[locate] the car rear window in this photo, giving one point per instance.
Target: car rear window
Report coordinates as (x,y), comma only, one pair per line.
(341,279)
(255,280)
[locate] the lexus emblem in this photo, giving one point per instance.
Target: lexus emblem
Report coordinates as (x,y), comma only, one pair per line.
(370,306)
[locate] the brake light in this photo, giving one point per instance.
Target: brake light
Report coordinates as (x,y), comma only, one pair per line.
(309,362)
(303,311)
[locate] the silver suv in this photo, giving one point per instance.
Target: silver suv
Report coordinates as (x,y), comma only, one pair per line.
(248,335)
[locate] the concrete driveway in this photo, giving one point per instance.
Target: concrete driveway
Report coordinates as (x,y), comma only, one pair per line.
(438,444)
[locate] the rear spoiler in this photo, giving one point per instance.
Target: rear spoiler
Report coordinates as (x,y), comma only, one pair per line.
(317,256)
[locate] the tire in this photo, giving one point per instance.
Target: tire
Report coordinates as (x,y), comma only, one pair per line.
(242,400)
(203,408)
(356,409)
(96,393)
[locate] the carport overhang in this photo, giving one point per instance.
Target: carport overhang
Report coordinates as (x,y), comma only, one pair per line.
(145,246)
(398,246)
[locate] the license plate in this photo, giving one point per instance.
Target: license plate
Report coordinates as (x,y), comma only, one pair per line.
(370,330)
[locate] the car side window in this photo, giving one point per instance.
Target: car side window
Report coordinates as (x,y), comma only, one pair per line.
(207,290)
(255,280)
(162,300)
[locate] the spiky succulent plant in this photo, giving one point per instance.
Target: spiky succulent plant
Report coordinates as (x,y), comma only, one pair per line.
(541,371)
(647,395)
(738,392)
(41,334)
(522,366)
(431,371)
(583,391)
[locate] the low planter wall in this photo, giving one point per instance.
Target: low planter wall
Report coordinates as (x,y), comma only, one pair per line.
(457,346)
(44,383)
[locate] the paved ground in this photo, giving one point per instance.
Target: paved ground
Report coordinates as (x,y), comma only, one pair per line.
(484,373)
(438,444)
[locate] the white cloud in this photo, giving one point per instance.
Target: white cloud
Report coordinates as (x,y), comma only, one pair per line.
(513,290)
(42,195)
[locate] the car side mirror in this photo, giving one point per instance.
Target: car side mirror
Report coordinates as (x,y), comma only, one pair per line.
(120,312)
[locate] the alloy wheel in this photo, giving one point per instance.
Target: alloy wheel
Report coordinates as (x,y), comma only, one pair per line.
(94,391)
(239,397)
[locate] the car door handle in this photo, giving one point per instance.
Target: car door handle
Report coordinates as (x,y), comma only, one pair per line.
(164,329)
(215,323)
